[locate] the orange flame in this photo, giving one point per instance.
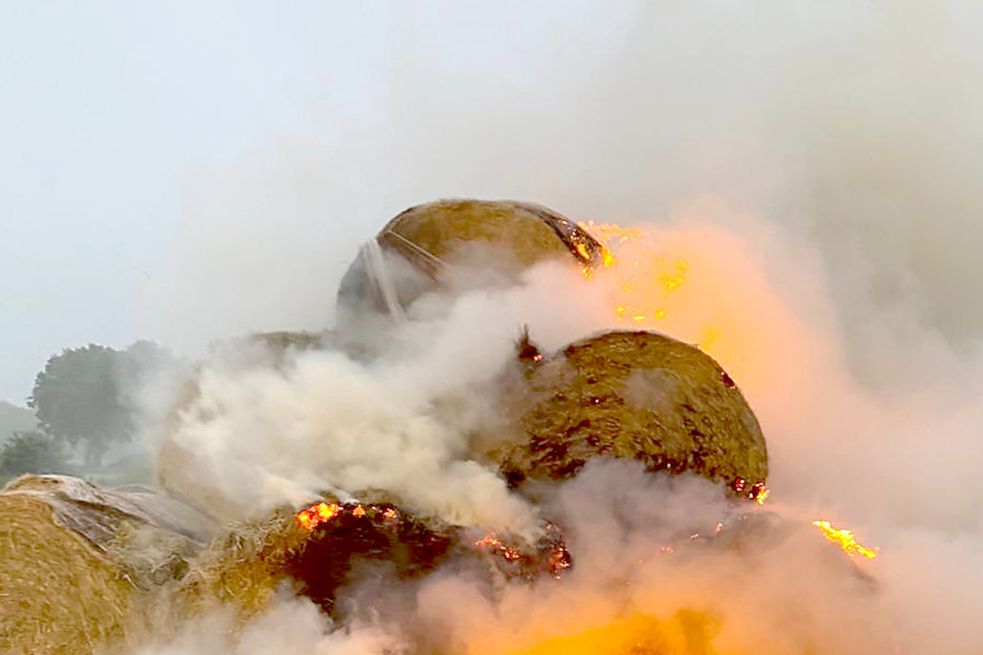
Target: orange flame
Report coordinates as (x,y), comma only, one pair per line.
(845,540)
(317,514)
(644,280)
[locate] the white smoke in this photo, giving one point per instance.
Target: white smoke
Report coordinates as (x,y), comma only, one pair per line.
(815,166)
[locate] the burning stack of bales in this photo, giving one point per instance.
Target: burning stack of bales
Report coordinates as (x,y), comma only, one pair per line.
(637,395)
(79,563)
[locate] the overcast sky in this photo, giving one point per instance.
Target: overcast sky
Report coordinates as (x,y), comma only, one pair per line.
(183,171)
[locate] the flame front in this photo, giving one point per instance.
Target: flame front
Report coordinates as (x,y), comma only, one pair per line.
(688,631)
(644,278)
(317,514)
(845,540)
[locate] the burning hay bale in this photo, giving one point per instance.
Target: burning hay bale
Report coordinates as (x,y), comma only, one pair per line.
(312,551)
(316,551)
(75,560)
(637,395)
(421,242)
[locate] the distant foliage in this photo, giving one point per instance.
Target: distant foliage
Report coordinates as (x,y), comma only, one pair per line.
(77,397)
(32,452)
(87,394)
(15,419)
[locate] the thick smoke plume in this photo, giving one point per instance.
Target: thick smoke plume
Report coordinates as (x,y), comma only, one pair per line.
(814,169)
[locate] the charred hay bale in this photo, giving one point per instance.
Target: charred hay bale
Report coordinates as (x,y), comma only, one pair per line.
(323,547)
(313,551)
(638,395)
(76,561)
(413,251)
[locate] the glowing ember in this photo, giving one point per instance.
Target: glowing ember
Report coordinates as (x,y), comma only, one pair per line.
(845,540)
(317,514)
(762,495)
(757,492)
(495,545)
(549,556)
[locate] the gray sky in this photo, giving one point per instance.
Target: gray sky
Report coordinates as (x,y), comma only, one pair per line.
(182,171)
(110,113)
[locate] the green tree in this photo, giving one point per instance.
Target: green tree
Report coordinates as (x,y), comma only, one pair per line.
(32,452)
(78,397)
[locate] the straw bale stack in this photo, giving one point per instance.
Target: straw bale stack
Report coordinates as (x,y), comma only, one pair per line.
(75,561)
(638,395)
(413,251)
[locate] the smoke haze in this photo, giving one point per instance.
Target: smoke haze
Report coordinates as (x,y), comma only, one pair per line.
(814,166)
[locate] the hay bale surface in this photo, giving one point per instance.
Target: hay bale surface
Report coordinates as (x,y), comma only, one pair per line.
(637,395)
(432,237)
(76,561)
(435,232)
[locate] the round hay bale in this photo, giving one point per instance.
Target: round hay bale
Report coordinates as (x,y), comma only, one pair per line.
(323,547)
(76,561)
(313,551)
(638,395)
(413,251)
(59,593)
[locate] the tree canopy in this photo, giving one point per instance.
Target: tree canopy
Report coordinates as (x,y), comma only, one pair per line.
(84,394)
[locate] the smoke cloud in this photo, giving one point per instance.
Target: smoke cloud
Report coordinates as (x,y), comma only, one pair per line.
(812,167)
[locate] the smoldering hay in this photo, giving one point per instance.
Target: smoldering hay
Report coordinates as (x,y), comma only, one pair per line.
(316,494)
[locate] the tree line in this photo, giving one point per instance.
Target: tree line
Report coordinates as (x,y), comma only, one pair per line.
(84,397)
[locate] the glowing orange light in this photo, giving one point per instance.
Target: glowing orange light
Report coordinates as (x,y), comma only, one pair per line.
(845,540)
(607,259)
(494,544)
(644,279)
(688,631)
(317,514)
(762,496)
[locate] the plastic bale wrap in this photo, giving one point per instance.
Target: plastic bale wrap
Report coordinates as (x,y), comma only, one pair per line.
(77,561)
(413,251)
(637,395)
